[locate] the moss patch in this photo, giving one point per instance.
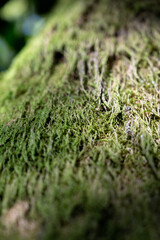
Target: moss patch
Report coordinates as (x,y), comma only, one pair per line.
(79,128)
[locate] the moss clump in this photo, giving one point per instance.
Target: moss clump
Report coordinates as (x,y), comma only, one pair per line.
(79,130)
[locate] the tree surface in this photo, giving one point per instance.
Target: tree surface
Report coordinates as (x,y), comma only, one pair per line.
(80,127)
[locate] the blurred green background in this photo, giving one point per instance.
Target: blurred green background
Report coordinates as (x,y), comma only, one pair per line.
(19,20)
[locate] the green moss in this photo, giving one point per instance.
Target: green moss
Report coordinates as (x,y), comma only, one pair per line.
(79,130)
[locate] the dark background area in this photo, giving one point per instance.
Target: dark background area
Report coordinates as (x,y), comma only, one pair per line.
(19,20)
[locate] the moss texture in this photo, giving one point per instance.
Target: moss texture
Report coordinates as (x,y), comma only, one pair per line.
(79,125)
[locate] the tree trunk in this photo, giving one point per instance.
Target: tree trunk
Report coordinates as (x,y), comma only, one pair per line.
(79,127)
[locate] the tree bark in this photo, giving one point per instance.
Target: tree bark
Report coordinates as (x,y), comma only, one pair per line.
(79,127)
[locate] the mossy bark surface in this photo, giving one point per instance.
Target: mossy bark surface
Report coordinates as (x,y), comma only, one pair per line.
(80,127)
